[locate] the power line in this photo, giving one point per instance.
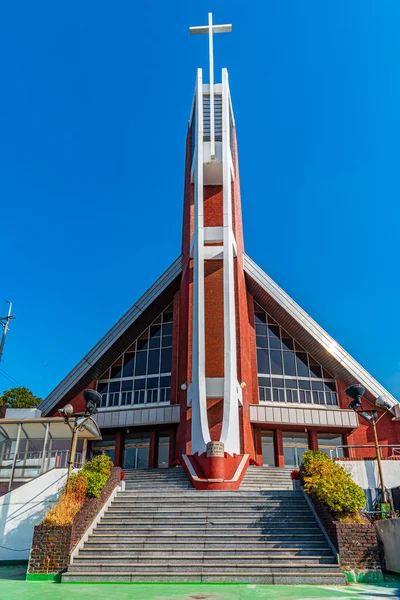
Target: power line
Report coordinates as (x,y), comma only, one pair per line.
(10,378)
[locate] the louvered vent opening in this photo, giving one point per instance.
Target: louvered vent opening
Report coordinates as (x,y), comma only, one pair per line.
(217,117)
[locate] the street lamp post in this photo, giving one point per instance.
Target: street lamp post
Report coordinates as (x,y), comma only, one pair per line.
(92,401)
(355,392)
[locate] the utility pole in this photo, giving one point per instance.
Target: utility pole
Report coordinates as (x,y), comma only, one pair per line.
(4,321)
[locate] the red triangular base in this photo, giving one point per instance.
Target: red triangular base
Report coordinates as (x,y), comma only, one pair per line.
(215,472)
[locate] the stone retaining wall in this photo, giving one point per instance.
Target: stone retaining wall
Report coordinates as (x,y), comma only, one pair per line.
(52,545)
(356,544)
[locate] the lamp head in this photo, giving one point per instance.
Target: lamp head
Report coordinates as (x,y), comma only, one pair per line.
(67,411)
(355,391)
(380,402)
(92,401)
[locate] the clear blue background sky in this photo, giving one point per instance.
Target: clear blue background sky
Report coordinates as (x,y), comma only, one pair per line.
(93,115)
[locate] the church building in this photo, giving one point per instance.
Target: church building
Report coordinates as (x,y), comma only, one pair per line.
(215,367)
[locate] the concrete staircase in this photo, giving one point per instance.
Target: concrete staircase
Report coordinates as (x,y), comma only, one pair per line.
(162,530)
(266,478)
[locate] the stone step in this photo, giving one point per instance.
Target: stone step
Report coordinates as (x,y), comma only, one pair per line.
(164,529)
(192,493)
(277,578)
(110,551)
(155,518)
(238,499)
(290,567)
(245,546)
(210,537)
(189,560)
(237,512)
(145,518)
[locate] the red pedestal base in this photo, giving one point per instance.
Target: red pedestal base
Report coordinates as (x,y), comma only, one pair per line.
(215,472)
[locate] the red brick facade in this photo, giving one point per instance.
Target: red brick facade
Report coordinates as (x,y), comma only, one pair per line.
(181,375)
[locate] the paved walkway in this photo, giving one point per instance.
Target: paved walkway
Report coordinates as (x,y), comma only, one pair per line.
(14,587)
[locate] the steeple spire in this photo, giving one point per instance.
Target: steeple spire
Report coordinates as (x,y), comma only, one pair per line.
(210,29)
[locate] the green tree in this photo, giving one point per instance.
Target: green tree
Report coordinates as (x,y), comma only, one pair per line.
(19,397)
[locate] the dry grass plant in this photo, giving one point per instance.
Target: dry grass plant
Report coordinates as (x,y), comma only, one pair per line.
(69,504)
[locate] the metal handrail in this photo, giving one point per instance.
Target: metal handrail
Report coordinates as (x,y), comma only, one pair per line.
(334,451)
(41,466)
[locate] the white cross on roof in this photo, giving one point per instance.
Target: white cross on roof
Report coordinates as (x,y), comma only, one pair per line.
(211,29)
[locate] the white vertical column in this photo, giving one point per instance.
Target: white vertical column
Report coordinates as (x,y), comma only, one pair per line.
(200,430)
(230,425)
(211,54)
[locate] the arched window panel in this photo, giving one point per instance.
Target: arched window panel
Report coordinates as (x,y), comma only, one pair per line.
(286,371)
(142,374)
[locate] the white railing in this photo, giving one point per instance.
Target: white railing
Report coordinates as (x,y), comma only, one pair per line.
(341,451)
(32,464)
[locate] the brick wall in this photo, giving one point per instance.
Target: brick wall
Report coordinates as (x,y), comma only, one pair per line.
(2,412)
(357,544)
(358,547)
(52,545)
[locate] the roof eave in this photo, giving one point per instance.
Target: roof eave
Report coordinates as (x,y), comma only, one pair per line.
(348,365)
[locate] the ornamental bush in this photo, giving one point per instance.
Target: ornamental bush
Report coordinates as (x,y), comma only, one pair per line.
(96,471)
(331,484)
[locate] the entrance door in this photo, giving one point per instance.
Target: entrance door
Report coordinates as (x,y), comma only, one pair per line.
(268,450)
(136,453)
(163,449)
(294,446)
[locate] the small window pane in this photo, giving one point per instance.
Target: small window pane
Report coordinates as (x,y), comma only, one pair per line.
(102,388)
(154,342)
(289,363)
(274,337)
(141,361)
(261,341)
(302,364)
(116,370)
(129,361)
(155,331)
(166,360)
(315,369)
(287,341)
(263,361)
(143,341)
(166,341)
(260,316)
(261,329)
(154,362)
(167,329)
(127,385)
(276,362)
(167,317)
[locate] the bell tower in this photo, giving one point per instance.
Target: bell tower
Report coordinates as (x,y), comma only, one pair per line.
(213,272)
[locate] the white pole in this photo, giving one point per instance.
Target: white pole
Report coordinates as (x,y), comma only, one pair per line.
(46,437)
(15,457)
(211,53)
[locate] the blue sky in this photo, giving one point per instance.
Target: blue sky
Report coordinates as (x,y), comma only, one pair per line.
(93,115)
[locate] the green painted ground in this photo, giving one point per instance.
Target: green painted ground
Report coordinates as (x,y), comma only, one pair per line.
(14,587)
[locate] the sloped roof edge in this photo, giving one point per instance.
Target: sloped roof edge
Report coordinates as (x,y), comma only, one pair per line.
(318,333)
(111,336)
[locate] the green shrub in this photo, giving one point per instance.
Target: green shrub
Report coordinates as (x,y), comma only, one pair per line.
(96,471)
(331,484)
